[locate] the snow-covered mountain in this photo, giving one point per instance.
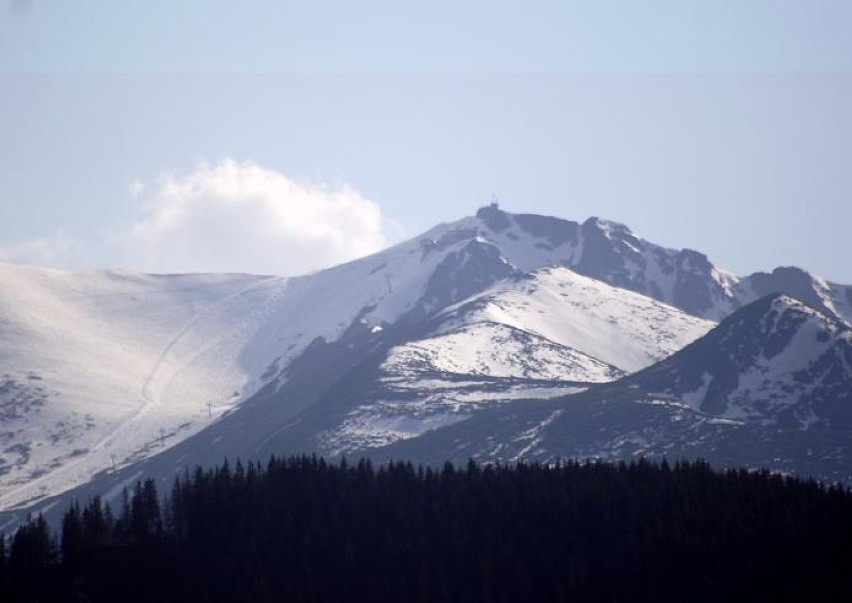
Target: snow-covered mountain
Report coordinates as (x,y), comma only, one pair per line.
(831,299)
(685,278)
(110,374)
(776,362)
(770,387)
(99,368)
(105,368)
(541,335)
(612,325)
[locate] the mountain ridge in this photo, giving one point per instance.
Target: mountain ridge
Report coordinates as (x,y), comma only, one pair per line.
(478,313)
(611,252)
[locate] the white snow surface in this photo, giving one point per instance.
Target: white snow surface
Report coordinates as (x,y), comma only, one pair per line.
(497,350)
(100,367)
(604,324)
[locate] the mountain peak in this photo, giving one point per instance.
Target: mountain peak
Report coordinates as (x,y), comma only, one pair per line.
(609,228)
(493,217)
(609,251)
(778,312)
(777,360)
(801,284)
(783,302)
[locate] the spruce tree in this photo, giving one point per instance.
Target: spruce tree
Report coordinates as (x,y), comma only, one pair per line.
(72,533)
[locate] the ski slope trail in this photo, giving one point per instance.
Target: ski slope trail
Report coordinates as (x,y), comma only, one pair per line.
(178,339)
(166,369)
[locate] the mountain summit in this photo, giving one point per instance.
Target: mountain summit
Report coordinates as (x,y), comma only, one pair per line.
(610,252)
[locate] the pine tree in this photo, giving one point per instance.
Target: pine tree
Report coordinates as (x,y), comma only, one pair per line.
(97,525)
(33,548)
(145,520)
(72,533)
(4,561)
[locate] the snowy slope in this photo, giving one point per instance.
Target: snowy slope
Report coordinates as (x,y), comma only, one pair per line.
(492,348)
(770,387)
(105,368)
(550,324)
(101,367)
(614,326)
(547,334)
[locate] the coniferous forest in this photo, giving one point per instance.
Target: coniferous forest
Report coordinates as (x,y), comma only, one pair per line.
(302,529)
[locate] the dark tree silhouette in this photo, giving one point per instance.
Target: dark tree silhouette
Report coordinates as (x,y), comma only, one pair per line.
(301,529)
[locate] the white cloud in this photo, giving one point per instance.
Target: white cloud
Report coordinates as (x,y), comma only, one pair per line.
(135,189)
(240,217)
(224,217)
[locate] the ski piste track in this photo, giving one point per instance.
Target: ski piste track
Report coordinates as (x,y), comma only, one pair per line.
(123,444)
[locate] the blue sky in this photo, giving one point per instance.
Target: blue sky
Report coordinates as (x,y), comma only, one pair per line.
(274,36)
(127,127)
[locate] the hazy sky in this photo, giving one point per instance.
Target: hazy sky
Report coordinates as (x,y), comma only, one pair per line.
(283,137)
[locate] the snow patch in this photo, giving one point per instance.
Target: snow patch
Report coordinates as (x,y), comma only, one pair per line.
(614,326)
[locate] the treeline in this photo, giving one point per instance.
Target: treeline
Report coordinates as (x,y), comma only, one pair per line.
(302,529)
